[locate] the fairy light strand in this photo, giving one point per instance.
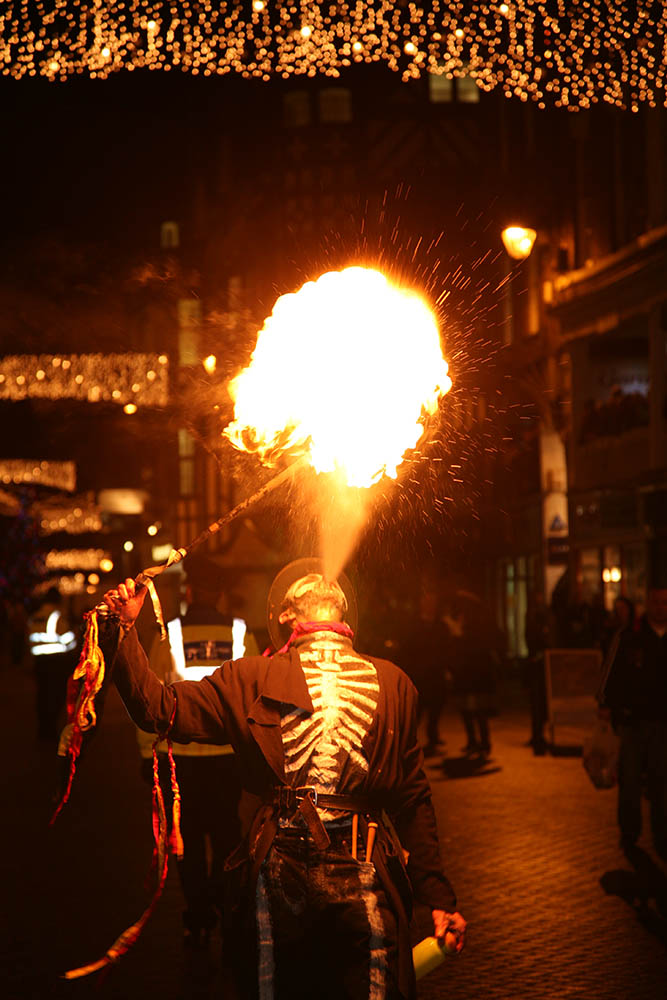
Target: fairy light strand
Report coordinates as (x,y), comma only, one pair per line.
(28,472)
(126,379)
(571,54)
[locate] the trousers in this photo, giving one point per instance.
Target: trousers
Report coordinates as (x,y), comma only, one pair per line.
(324,926)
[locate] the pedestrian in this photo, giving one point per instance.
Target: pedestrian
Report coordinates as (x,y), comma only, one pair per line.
(634,695)
(425,654)
(52,645)
(537,635)
(199,642)
(344,828)
(474,672)
(622,618)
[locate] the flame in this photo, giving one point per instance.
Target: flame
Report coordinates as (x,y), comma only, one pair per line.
(346,370)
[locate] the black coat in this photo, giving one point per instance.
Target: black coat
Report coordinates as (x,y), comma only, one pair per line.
(242,704)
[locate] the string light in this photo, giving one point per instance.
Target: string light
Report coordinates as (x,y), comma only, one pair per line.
(57,475)
(126,379)
(80,559)
(74,518)
(65,584)
(570,54)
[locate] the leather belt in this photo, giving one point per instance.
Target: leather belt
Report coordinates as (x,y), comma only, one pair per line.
(305,801)
(288,799)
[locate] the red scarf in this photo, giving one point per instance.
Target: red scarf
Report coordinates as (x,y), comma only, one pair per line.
(306,628)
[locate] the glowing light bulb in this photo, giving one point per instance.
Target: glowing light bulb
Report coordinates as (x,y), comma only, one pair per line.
(209,363)
(306,31)
(152,529)
(410,48)
(130,408)
(106,52)
(518,241)
(106,565)
(258,5)
(128,545)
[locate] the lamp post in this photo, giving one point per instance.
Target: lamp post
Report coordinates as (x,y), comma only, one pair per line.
(519,242)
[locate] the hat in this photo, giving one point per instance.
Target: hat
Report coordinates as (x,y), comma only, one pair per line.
(286,577)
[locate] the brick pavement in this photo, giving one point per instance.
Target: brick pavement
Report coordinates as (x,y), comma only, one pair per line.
(555,909)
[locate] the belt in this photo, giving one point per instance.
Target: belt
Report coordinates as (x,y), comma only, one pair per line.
(288,799)
(306,799)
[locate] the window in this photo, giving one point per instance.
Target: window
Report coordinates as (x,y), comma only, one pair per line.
(186,462)
(445,90)
(189,315)
(296,108)
(169,235)
(440,88)
(467,90)
(335,105)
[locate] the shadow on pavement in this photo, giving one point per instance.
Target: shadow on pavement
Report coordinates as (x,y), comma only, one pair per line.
(646,884)
(467,767)
(566,751)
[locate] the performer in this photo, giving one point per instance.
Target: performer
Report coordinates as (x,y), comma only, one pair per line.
(345,829)
(198,643)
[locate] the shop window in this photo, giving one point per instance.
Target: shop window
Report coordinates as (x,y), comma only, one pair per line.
(590,573)
(517,580)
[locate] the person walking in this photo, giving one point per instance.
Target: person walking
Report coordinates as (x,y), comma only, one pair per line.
(425,653)
(634,696)
(344,828)
(474,673)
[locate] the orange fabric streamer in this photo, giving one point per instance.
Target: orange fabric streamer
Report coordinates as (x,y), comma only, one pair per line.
(82,688)
(161,847)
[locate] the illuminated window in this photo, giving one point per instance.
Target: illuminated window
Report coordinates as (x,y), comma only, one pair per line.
(186,477)
(335,105)
(186,463)
(169,235)
(189,316)
(440,88)
(186,444)
(296,108)
(467,91)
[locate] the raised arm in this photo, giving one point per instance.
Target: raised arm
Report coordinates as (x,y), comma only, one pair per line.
(193,707)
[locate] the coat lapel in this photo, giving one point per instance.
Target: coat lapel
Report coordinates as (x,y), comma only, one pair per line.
(284,684)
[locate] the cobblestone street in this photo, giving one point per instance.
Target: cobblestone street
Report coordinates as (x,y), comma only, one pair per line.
(555,909)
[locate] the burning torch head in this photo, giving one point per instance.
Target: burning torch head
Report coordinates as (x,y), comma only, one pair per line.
(301,591)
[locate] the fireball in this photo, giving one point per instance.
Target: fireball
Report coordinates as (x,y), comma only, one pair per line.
(346,371)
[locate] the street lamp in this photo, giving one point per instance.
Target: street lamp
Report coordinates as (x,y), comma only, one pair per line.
(518,241)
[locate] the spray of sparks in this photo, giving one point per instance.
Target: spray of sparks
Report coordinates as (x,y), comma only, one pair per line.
(346,371)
